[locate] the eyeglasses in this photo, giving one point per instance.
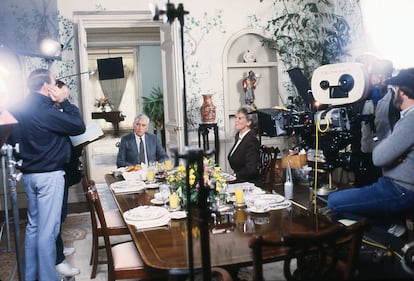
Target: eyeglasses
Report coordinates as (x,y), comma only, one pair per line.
(60,84)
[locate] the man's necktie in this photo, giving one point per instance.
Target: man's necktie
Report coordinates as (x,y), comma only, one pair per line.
(141,151)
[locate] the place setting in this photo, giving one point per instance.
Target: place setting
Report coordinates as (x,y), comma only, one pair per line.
(144,217)
(128,186)
(169,201)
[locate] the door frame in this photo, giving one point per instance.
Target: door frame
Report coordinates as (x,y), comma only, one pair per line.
(129,29)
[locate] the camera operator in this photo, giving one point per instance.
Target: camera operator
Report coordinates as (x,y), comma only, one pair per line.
(374,117)
(393,194)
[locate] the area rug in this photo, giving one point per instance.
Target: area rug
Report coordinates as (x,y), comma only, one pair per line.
(76,227)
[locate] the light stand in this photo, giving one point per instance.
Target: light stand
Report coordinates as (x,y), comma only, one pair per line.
(5,194)
(172,13)
(7,122)
(192,155)
(13,178)
(195,156)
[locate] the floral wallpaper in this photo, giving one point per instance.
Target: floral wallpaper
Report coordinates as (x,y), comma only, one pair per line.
(203,76)
(31,21)
(197,34)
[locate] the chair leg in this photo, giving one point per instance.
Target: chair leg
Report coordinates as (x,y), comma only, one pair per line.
(93,247)
(94,255)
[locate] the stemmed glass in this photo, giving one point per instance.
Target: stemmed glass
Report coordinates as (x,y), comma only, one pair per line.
(165,193)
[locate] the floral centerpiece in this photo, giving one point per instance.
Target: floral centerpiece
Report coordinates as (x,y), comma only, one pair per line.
(211,178)
(104,104)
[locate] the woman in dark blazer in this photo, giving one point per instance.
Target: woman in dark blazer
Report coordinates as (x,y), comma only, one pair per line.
(244,155)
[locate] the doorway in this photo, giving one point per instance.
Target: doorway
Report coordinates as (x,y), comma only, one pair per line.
(135,37)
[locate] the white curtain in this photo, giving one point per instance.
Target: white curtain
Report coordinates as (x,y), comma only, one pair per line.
(115,88)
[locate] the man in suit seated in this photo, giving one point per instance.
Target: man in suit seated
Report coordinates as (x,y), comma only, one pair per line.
(139,146)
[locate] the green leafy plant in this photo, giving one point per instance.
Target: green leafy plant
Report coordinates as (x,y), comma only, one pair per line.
(306,34)
(153,106)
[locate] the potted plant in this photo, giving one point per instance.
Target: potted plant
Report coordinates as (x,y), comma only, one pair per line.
(306,34)
(153,106)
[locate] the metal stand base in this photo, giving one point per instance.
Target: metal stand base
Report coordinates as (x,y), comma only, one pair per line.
(325,190)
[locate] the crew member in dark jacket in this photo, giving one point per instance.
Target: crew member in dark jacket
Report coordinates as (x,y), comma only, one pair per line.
(244,155)
(46,120)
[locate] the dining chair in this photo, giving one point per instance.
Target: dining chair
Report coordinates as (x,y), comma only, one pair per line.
(220,274)
(329,254)
(115,225)
(124,260)
(267,166)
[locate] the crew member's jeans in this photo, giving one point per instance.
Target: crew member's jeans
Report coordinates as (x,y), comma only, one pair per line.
(44,205)
(379,202)
(60,257)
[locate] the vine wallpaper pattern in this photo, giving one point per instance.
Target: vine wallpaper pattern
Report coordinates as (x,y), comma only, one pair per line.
(203,76)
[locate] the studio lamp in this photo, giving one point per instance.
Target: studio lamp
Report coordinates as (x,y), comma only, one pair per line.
(50,47)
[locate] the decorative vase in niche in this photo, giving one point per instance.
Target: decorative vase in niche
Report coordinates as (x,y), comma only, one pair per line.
(208,109)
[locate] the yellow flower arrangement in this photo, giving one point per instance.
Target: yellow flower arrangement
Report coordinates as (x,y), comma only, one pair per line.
(211,178)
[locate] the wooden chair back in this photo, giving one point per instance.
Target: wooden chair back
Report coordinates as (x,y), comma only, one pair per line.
(330,254)
(267,165)
(125,267)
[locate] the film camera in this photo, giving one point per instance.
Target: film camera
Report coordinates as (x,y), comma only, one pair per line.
(327,116)
(336,88)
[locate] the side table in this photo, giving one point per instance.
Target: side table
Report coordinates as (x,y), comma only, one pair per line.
(203,132)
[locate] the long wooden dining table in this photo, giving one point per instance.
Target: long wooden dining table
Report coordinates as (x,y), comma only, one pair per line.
(166,248)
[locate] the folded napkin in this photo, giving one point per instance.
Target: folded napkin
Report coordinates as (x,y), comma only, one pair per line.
(270,207)
(127,186)
(144,217)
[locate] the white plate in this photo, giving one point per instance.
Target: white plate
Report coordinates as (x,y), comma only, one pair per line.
(253,209)
(145,213)
(135,175)
(227,177)
(244,185)
(269,198)
(128,184)
(157,201)
(151,185)
(178,215)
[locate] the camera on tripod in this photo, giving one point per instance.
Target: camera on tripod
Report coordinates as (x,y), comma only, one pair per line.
(327,115)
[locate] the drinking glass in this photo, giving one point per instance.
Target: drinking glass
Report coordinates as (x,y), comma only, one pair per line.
(165,193)
(174,200)
(151,173)
(168,164)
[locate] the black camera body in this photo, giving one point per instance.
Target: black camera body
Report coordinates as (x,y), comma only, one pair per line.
(335,88)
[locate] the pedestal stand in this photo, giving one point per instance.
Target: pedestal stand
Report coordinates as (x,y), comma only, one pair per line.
(203,132)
